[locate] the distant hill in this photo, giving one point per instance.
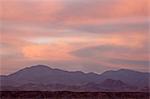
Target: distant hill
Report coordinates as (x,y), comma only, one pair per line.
(41,77)
(108,85)
(128,76)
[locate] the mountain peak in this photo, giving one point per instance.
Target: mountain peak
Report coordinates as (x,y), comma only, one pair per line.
(40,66)
(120,71)
(130,71)
(111,83)
(36,69)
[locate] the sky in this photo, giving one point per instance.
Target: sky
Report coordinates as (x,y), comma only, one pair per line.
(74,35)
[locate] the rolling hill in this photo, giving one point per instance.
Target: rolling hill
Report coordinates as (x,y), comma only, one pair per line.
(41,77)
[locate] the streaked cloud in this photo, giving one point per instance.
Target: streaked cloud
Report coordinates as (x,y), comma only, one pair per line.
(86,35)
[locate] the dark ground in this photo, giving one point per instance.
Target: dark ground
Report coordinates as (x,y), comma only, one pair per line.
(72,95)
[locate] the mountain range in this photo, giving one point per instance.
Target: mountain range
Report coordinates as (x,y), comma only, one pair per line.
(44,78)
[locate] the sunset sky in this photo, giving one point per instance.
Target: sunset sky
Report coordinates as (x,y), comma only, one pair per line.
(74,35)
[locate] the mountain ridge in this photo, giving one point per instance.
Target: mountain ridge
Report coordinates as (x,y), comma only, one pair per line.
(41,74)
(48,67)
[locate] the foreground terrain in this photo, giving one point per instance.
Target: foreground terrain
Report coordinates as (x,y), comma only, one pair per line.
(72,95)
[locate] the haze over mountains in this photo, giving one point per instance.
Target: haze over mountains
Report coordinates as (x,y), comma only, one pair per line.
(44,78)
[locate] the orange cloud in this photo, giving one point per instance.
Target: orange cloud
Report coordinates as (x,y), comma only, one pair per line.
(126,8)
(48,52)
(53,11)
(31,11)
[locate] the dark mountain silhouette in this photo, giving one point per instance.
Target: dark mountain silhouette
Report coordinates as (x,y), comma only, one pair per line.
(128,76)
(41,74)
(110,85)
(117,85)
(41,77)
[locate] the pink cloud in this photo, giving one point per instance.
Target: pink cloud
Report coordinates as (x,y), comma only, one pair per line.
(49,31)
